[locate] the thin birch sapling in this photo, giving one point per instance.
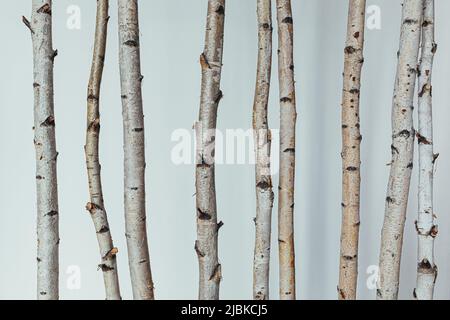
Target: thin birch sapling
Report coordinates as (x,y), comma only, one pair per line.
(426,227)
(402,149)
(134,150)
(262,137)
(207,226)
(351,156)
(96,206)
(288,118)
(46,154)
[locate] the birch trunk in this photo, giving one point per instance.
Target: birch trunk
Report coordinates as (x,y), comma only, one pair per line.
(402,151)
(426,228)
(207,226)
(288,118)
(96,206)
(46,155)
(351,157)
(264,193)
(134,151)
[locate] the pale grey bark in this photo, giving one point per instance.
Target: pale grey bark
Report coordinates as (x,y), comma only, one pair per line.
(402,148)
(262,137)
(426,227)
(96,205)
(46,155)
(351,156)
(134,150)
(288,118)
(207,226)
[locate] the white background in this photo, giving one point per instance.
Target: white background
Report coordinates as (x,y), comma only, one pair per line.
(172,34)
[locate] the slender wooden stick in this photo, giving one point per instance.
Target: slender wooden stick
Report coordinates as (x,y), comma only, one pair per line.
(96,205)
(288,118)
(207,226)
(262,137)
(402,151)
(426,227)
(46,155)
(351,157)
(134,151)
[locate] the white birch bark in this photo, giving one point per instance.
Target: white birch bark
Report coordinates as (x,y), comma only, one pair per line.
(402,151)
(96,205)
(134,151)
(426,228)
(351,157)
(288,117)
(262,137)
(207,226)
(46,155)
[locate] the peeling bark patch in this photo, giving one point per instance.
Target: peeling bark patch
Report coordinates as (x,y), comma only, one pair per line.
(203,215)
(131,43)
(434,231)
(410,21)
(422,140)
(49,122)
(220,10)
(264,185)
(104,267)
(92,97)
(103,229)
(52,213)
(92,207)
(204,62)
(45,9)
(349,50)
(216,275)
(341,293)
(403,134)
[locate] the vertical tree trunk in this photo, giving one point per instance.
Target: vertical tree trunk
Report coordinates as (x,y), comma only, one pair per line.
(264,193)
(96,206)
(426,228)
(46,155)
(288,118)
(402,151)
(351,157)
(207,226)
(134,151)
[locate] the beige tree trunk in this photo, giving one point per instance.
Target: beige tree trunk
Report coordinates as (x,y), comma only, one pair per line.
(351,157)
(426,227)
(207,226)
(46,155)
(96,205)
(262,137)
(288,118)
(134,150)
(402,151)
